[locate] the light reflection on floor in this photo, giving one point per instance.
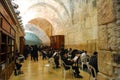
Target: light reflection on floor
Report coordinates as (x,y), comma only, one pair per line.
(38,71)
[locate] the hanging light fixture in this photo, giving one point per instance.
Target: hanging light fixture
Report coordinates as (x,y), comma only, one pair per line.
(19,17)
(14,5)
(19,20)
(16,11)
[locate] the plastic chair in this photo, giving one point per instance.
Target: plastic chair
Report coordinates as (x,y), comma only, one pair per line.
(67,68)
(84,62)
(93,73)
(51,63)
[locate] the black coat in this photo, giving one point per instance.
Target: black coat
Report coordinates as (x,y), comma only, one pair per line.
(93,62)
(67,62)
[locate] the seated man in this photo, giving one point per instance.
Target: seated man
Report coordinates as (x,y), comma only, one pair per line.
(20,56)
(71,62)
(18,66)
(56,58)
(94,63)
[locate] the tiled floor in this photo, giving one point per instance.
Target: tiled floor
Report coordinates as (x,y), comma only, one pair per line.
(38,71)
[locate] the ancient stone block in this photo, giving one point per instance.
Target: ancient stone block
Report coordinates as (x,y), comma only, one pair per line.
(101,76)
(106,68)
(103,37)
(116,58)
(118,22)
(106,55)
(106,14)
(113,36)
(105,61)
(91,46)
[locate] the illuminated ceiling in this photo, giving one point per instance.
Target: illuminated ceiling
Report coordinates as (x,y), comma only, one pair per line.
(43,12)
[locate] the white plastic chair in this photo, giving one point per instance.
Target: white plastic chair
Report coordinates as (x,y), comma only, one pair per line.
(92,71)
(65,69)
(50,64)
(84,62)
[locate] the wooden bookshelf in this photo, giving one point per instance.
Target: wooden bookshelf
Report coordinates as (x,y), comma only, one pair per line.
(7,43)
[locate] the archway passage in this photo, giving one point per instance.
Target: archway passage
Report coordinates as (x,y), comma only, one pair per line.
(32,39)
(91,25)
(44,24)
(40,33)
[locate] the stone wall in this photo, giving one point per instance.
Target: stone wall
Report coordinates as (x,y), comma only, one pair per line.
(96,26)
(83,32)
(109,39)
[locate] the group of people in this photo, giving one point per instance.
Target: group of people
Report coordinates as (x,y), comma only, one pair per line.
(68,56)
(32,50)
(72,58)
(77,57)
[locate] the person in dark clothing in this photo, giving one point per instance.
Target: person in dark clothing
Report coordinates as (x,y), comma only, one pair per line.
(26,51)
(44,54)
(31,51)
(19,56)
(93,62)
(71,62)
(35,53)
(73,53)
(18,66)
(56,58)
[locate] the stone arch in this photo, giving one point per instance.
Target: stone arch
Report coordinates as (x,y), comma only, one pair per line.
(56,23)
(38,32)
(43,24)
(32,39)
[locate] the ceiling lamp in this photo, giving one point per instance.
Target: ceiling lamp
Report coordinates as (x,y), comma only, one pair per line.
(19,20)
(17,12)
(19,17)
(14,5)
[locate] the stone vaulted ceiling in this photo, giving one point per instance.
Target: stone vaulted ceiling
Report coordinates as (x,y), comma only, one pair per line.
(48,15)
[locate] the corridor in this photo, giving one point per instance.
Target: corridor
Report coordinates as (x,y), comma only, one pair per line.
(38,71)
(85,25)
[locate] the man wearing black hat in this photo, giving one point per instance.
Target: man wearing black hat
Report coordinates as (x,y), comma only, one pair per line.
(71,62)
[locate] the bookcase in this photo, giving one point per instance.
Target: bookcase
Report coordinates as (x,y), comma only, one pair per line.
(7,48)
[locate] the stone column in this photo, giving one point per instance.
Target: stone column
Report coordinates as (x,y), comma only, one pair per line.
(108,39)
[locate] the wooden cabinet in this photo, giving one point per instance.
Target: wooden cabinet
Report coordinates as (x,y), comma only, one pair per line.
(57,41)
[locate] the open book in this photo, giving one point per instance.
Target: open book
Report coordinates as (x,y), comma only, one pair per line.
(75,58)
(54,54)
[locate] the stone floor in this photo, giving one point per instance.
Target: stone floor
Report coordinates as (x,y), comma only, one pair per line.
(38,71)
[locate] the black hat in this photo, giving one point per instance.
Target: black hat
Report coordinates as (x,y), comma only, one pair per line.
(95,53)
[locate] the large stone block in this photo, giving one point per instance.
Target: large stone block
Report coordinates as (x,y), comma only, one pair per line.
(117,71)
(105,61)
(106,56)
(102,37)
(118,22)
(91,46)
(106,14)
(101,76)
(113,36)
(117,7)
